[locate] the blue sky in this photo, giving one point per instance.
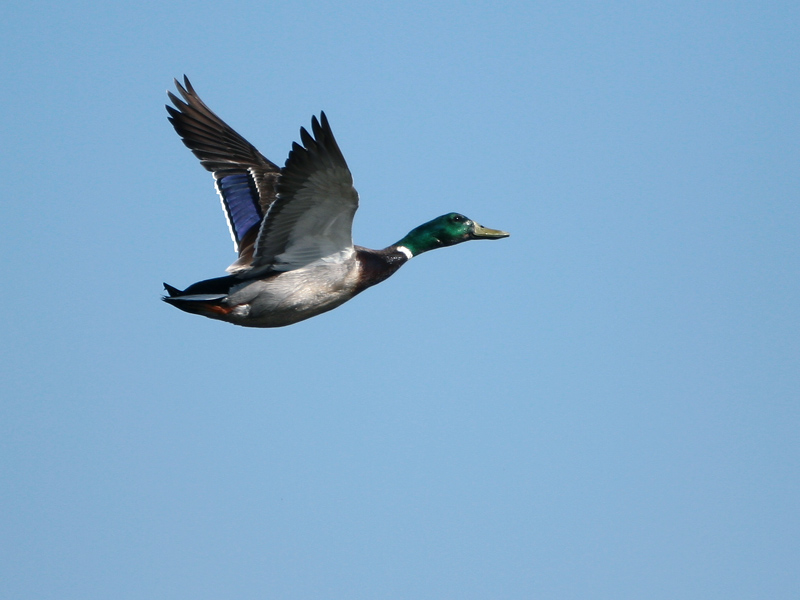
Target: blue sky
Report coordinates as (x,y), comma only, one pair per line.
(604,405)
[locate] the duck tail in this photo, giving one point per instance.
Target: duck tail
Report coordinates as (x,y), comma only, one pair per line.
(205,298)
(172,291)
(208,305)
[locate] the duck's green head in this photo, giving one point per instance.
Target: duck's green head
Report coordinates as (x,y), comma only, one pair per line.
(447,230)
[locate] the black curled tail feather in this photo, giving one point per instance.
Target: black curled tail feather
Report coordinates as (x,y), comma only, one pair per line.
(172,291)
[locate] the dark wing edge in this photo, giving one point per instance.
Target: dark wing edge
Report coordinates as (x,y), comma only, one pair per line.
(245,179)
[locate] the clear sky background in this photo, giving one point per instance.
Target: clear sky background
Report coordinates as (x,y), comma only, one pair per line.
(604,405)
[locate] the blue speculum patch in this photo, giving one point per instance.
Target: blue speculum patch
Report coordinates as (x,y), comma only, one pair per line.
(241,200)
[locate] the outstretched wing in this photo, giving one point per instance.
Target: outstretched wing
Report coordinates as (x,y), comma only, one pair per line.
(312,216)
(245,179)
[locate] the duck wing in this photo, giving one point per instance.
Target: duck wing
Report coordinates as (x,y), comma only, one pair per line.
(244,178)
(312,215)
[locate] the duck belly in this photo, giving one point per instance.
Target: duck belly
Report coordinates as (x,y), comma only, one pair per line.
(292,296)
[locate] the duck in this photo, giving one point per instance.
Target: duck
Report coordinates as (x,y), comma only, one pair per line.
(292,226)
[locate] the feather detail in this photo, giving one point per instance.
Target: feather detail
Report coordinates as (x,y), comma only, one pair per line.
(245,179)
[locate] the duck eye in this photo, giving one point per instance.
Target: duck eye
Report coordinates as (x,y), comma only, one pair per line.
(458,218)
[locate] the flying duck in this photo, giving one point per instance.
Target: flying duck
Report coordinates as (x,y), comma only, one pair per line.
(291,227)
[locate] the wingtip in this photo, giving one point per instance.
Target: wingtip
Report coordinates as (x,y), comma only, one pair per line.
(177,85)
(188,84)
(306,138)
(185,89)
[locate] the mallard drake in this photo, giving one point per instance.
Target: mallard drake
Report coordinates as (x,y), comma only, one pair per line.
(291,227)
